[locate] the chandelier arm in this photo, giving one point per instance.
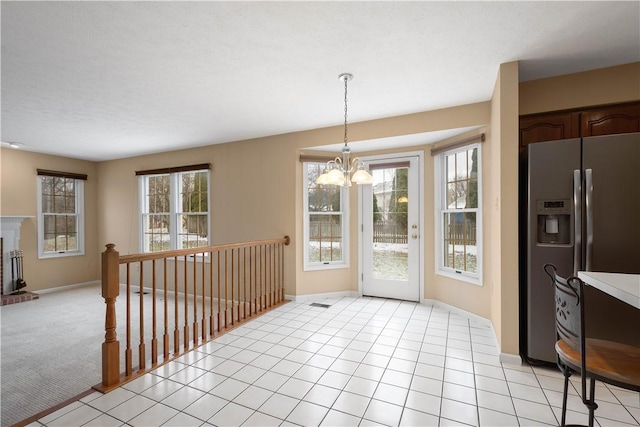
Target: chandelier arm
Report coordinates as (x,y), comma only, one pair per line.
(354,164)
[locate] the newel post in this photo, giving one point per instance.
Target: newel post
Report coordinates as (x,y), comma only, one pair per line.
(110,291)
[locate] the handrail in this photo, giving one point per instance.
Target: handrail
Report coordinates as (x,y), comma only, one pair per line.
(193,251)
(194,297)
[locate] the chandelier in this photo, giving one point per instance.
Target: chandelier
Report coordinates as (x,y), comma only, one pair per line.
(343,171)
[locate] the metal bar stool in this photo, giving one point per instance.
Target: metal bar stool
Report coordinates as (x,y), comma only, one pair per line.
(607,361)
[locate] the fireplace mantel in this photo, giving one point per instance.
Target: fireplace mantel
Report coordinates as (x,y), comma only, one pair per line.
(10,233)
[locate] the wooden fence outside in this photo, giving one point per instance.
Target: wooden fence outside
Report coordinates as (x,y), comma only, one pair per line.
(185,297)
(383,232)
(461,232)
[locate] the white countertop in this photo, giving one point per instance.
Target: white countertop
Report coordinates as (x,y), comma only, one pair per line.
(625,287)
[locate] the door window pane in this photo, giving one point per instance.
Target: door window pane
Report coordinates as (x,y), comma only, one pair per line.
(390,208)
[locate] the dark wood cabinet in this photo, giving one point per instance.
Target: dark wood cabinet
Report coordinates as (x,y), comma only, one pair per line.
(610,120)
(548,127)
(588,121)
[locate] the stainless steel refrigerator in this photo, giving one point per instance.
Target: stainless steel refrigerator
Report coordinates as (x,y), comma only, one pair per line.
(583,214)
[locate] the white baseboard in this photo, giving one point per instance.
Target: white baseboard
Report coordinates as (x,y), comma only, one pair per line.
(67,287)
(510,359)
(479,319)
(321,296)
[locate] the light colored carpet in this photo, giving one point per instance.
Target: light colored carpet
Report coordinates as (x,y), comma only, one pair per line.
(51,347)
(51,350)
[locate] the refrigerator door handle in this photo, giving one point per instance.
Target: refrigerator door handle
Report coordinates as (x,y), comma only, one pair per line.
(577,218)
(588,182)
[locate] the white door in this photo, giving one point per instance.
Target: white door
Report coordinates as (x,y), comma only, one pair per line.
(391,229)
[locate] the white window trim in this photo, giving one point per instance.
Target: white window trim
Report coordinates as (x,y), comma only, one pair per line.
(439,168)
(174,202)
(79,199)
(325,265)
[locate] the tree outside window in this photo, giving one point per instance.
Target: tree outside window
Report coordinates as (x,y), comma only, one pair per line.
(175,210)
(324,220)
(459,211)
(60,214)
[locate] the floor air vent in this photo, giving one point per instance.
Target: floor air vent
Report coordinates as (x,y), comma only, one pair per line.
(317,304)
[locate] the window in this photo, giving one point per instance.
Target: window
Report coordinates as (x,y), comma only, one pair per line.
(175,208)
(324,221)
(459,216)
(60,214)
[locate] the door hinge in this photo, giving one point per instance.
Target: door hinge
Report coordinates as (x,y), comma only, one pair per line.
(362,277)
(362,228)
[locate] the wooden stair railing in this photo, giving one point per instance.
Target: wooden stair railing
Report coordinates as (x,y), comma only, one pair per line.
(199,293)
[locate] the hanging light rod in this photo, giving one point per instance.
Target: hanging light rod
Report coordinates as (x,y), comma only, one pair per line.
(343,171)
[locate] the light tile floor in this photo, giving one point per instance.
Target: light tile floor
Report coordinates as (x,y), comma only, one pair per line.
(363,361)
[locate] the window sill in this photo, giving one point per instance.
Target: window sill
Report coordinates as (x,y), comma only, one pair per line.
(321,267)
(477,281)
(50,255)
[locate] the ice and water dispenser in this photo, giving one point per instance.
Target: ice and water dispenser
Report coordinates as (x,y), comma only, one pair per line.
(554,222)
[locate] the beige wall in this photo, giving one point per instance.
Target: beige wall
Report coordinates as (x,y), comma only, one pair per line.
(501,209)
(597,87)
(19,197)
(507,204)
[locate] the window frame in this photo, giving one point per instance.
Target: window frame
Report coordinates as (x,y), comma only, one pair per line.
(324,265)
(441,208)
(79,214)
(175,210)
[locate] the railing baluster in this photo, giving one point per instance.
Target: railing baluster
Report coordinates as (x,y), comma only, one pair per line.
(211,295)
(154,338)
(219,293)
(263,302)
(276,249)
(186,306)
(226,287)
(272,271)
(267,274)
(282,269)
(204,307)
(176,316)
(233,285)
(141,347)
(128,352)
(195,303)
(259,279)
(239,287)
(254,280)
(244,256)
(165,335)
(219,296)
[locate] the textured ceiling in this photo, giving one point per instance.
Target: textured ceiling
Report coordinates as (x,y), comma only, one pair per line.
(105,80)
